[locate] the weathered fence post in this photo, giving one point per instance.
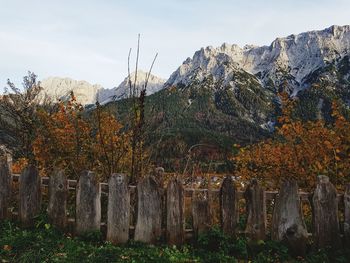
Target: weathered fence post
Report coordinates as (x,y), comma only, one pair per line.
(228,207)
(288,225)
(325,214)
(149,211)
(88,203)
(58,192)
(175,213)
(29,195)
(256,211)
(118,215)
(201,215)
(5,186)
(347,215)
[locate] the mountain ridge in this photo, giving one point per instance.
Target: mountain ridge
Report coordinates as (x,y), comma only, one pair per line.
(297,55)
(59,88)
(287,61)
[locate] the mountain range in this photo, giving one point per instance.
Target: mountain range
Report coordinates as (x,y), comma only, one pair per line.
(292,59)
(243,83)
(229,94)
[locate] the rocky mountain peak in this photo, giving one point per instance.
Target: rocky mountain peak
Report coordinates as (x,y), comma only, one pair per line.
(154,84)
(297,56)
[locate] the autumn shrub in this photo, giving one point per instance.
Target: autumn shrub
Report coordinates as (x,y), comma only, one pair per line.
(69,140)
(300,150)
(19,120)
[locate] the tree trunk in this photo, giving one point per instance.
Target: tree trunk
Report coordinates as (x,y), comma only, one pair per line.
(256,211)
(88,204)
(287,222)
(118,221)
(228,207)
(149,211)
(175,213)
(29,195)
(325,214)
(58,192)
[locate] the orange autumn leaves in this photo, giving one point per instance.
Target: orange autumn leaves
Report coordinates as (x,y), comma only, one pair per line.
(112,146)
(63,139)
(300,150)
(74,142)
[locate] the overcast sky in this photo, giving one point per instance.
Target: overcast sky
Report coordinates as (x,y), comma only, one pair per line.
(89,40)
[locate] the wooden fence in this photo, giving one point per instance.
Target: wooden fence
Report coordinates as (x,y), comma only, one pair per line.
(158,213)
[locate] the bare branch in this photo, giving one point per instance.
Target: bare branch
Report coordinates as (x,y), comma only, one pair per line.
(149,71)
(129,77)
(137,61)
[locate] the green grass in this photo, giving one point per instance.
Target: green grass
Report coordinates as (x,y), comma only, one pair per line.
(43,243)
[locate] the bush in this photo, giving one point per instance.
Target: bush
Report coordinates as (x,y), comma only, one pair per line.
(44,243)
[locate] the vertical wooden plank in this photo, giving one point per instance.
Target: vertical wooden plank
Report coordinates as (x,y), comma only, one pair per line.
(118,215)
(175,213)
(256,211)
(58,192)
(347,215)
(228,207)
(149,211)
(29,195)
(325,214)
(201,215)
(5,186)
(88,203)
(288,224)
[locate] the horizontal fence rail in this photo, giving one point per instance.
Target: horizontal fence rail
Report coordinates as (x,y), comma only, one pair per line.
(270,195)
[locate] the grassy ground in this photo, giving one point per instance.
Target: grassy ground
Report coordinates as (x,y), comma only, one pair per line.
(43,243)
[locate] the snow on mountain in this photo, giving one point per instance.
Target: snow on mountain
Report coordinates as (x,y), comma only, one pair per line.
(154,84)
(57,88)
(292,58)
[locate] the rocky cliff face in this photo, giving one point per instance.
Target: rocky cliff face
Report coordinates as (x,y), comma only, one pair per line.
(56,88)
(290,60)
